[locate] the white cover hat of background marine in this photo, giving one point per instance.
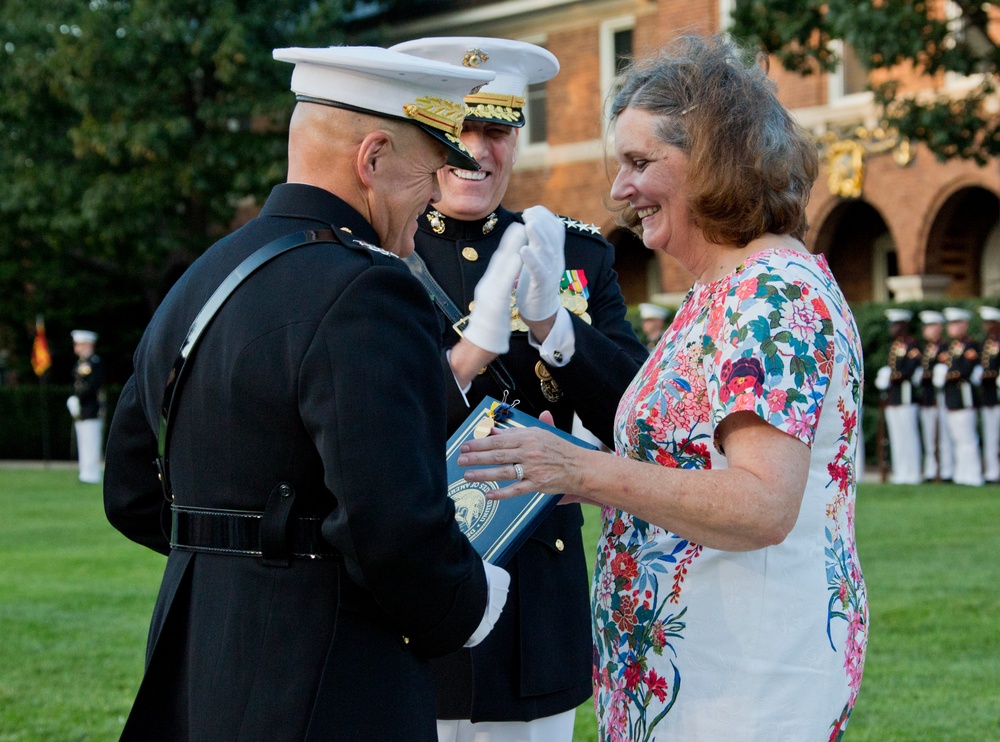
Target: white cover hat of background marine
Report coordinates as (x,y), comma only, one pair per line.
(931,317)
(898,315)
(83,336)
(387,83)
(652,311)
(956,314)
(989,314)
(517,64)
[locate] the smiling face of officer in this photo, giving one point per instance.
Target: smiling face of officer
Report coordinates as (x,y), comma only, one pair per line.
(471,194)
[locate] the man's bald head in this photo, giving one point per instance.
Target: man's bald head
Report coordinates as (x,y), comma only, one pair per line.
(384,168)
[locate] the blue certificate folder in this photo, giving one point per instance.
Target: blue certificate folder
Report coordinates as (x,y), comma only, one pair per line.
(497,528)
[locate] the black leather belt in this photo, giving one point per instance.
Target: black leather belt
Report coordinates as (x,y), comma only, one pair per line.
(238,532)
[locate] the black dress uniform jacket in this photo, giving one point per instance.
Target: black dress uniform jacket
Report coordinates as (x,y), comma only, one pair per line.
(991,369)
(963,357)
(933,354)
(537,661)
(904,360)
(88,377)
(322,371)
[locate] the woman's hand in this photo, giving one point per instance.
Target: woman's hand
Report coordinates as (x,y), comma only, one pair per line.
(549,463)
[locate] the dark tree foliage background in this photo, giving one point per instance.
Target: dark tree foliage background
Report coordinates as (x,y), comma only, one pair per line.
(131,131)
(886,33)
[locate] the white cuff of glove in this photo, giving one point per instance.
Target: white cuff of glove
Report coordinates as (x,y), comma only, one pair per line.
(73,405)
(882,378)
(497,582)
(464,390)
(560,344)
(976,377)
(918,375)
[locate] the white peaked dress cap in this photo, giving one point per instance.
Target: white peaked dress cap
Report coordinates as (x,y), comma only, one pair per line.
(898,315)
(930,317)
(956,314)
(517,64)
(652,311)
(387,83)
(83,336)
(989,314)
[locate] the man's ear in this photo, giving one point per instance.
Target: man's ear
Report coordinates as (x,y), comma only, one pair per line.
(517,133)
(375,147)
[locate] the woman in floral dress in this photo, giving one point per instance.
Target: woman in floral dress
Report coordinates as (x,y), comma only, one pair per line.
(728,597)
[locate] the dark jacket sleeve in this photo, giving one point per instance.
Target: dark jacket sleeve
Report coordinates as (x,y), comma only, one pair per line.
(372,396)
(607,356)
(133,498)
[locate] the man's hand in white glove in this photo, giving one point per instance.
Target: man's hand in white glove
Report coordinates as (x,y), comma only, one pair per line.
(939,375)
(489,323)
(882,378)
(544,264)
(73,405)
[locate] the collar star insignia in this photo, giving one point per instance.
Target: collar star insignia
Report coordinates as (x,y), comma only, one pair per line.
(580,226)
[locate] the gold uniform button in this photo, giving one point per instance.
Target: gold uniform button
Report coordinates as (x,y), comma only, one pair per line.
(406,640)
(560,546)
(470,254)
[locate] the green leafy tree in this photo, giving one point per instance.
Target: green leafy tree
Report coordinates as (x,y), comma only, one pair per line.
(887,33)
(131,133)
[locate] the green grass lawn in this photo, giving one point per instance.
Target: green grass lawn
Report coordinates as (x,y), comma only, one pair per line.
(75,601)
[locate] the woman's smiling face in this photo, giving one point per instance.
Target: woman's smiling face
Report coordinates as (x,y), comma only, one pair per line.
(652,178)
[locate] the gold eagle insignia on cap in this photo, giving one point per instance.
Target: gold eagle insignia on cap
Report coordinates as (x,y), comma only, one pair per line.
(474,58)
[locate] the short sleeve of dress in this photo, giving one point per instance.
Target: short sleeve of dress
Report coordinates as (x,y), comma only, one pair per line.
(769,347)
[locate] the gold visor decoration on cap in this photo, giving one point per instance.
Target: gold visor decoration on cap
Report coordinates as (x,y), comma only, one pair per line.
(439,113)
(495,106)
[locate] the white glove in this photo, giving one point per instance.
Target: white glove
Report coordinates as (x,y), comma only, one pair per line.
(882,378)
(918,375)
(489,323)
(544,264)
(976,377)
(939,375)
(497,582)
(73,405)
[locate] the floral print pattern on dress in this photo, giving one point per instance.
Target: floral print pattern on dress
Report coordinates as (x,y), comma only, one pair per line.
(765,340)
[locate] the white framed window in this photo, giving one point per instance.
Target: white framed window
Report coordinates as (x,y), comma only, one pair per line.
(535,132)
(616,49)
(848,84)
(726,8)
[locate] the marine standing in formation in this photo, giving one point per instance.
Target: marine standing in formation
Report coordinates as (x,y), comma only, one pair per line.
(87,405)
(939,459)
(901,408)
(956,375)
(991,407)
(526,680)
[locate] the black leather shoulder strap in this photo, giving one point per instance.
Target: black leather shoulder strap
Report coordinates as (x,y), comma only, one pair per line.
(240,273)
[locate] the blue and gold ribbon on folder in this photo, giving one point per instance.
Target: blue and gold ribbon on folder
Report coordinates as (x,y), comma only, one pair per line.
(496,528)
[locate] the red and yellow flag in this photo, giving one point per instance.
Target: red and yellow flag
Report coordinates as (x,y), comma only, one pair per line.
(41,359)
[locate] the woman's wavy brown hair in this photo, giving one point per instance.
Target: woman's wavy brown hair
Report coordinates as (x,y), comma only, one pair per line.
(750,165)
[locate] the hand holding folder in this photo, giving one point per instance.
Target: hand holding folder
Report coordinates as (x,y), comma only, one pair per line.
(497,528)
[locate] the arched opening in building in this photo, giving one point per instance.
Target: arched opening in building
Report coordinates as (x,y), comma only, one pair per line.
(638,271)
(860,250)
(963,243)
